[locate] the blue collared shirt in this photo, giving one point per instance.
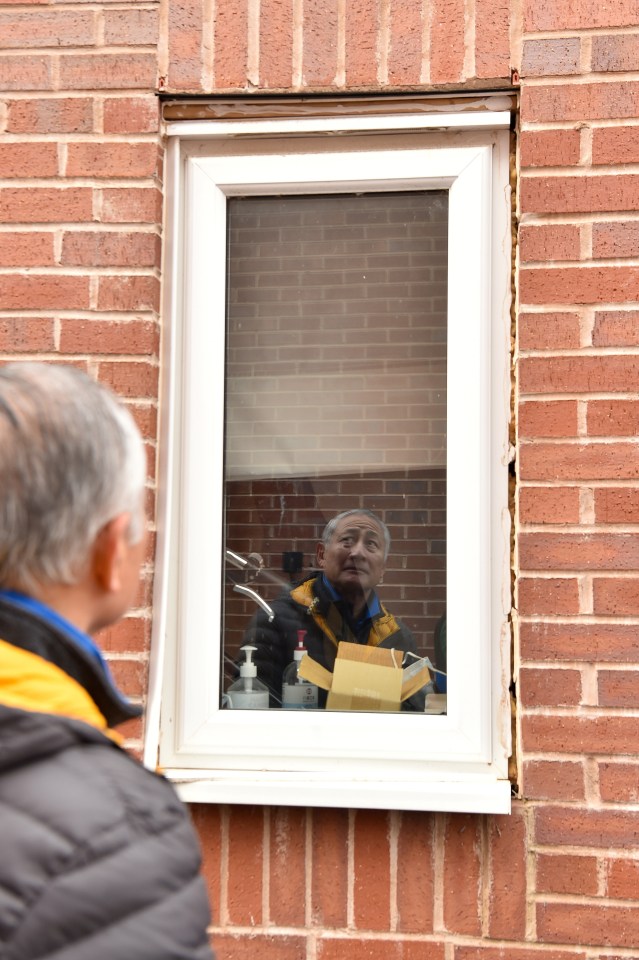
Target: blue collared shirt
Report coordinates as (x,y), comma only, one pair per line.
(372,608)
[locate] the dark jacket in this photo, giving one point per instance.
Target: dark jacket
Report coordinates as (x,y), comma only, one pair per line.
(309,607)
(98,858)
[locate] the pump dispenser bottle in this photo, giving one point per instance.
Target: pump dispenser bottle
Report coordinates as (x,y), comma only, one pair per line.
(298,693)
(247,692)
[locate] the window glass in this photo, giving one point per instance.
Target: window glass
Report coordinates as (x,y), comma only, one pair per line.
(335,401)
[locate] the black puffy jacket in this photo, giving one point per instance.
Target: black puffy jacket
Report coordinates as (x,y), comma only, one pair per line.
(98,858)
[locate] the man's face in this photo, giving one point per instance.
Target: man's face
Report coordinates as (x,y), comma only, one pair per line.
(353,561)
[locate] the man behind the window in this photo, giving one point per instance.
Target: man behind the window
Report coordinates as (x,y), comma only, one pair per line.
(339,603)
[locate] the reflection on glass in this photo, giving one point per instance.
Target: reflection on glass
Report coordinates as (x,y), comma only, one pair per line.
(335,452)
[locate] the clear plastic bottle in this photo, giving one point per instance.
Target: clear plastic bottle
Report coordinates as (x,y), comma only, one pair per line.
(298,693)
(247,692)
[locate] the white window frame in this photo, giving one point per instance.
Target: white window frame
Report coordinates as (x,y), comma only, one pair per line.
(456,762)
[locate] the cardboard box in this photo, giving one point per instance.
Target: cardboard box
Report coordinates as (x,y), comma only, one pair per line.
(366,678)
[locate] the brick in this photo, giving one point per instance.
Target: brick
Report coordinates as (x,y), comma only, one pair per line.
(45,204)
(61,115)
(580,923)
(608,418)
(329,868)
(616,596)
(329,948)
(405,43)
(128,293)
(492,39)
(371,889)
(507,894)
(547,687)
(130,676)
(447,41)
(276,45)
(549,148)
(622,879)
(44,292)
(287,884)
(28,160)
(548,331)
(615,240)
(112,160)
(131,205)
(551,57)
(208,820)
(579,551)
(415,872)
(549,504)
(22,30)
(26,334)
(245,946)
(320,47)
(612,145)
(556,242)
(549,596)
(578,15)
(130,635)
(21,73)
(553,780)
(617,505)
(591,374)
(566,874)
(131,115)
(578,461)
(513,952)
(618,688)
(131,379)
(584,101)
(110,249)
(230,33)
(129,28)
(106,71)
(26,249)
(619,782)
(186,43)
(584,194)
(563,734)
(579,284)
(601,642)
(362,25)
(462,870)
(548,418)
(96,336)
(616,328)
(245,860)
(614,53)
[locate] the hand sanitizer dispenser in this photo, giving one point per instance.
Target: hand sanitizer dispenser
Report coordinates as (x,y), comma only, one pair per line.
(247,692)
(298,693)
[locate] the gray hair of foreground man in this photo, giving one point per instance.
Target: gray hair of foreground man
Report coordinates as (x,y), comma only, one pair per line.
(71,460)
(331,526)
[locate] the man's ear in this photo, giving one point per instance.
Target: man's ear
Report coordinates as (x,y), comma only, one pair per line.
(109,550)
(319,554)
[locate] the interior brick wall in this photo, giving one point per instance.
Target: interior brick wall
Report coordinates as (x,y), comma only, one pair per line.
(81,190)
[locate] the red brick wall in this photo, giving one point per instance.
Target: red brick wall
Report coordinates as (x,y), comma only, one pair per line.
(80,222)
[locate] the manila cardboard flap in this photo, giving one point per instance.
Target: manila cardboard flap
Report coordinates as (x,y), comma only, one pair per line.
(366,678)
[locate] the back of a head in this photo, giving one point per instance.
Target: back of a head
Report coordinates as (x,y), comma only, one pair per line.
(71,459)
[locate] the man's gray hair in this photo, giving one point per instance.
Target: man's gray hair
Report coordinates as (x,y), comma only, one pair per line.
(71,459)
(331,526)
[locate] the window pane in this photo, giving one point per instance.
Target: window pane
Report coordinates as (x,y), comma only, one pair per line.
(336,400)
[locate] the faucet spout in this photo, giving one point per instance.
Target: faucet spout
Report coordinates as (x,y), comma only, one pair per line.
(241,588)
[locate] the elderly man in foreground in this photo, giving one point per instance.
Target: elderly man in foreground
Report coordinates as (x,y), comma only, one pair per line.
(99,858)
(339,603)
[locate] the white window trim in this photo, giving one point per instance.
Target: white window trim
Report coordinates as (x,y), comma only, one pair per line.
(455,762)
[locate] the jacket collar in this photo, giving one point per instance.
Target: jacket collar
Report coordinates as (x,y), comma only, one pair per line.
(31,630)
